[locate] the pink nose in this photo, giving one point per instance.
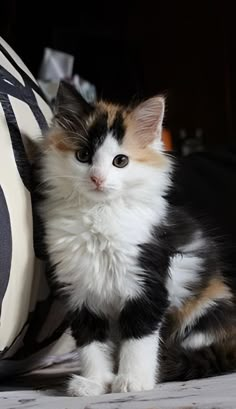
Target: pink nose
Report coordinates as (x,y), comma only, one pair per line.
(97,181)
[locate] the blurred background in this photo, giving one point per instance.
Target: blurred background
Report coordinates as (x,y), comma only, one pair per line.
(135,49)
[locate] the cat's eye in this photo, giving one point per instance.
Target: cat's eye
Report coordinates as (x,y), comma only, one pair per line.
(120,161)
(82,155)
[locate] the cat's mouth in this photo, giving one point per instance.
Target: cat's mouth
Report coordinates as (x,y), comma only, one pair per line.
(101,192)
(99,189)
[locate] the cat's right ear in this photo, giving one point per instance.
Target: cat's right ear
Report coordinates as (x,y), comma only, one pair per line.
(70,105)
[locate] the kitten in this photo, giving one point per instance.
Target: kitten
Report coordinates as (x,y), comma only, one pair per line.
(124,258)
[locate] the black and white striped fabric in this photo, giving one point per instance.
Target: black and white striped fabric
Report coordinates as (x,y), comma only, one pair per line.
(31,322)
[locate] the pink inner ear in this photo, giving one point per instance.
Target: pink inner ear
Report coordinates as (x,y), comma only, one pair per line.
(147,120)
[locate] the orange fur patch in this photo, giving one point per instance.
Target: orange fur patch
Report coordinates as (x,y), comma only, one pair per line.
(216,289)
(138,149)
(148,156)
(59,140)
(111,110)
(179,318)
(136,145)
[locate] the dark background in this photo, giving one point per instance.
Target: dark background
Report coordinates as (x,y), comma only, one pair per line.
(139,48)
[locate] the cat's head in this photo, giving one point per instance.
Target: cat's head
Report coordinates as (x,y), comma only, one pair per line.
(105,151)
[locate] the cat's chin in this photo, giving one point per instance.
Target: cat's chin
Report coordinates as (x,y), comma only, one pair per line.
(100,195)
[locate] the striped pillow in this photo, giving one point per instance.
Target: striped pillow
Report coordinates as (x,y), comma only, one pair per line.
(30,320)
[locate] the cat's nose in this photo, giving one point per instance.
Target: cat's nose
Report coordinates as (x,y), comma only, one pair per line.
(97,181)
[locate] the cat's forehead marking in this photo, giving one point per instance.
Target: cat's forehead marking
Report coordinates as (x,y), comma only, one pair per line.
(111,110)
(106,119)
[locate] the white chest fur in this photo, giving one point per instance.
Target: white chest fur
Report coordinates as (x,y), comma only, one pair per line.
(96,251)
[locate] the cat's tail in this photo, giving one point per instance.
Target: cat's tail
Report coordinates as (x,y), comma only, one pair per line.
(180,364)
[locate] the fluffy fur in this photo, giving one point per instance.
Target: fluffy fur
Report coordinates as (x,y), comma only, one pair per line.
(123,257)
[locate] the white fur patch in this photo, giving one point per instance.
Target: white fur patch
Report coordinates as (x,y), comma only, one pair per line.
(183,272)
(198,340)
(96,252)
(138,365)
(96,361)
(92,236)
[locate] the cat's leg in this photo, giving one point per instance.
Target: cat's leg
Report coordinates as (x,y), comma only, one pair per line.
(137,364)
(138,361)
(96,371)
(95,352)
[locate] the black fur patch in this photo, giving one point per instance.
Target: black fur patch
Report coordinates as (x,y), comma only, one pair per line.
(71,109)
(88,327)
(179,364)
(118,127)
(143,315)
(97,133)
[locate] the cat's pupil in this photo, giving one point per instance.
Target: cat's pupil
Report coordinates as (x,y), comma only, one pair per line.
(120,161)
(82,155)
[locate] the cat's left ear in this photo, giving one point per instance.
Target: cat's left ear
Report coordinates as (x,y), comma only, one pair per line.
(147,119)
(70,105)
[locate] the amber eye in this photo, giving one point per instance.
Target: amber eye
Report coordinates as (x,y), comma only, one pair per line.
(120,161)
(82,155)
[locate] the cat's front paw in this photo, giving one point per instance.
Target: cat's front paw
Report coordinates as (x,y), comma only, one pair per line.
(80,386)
(129,383)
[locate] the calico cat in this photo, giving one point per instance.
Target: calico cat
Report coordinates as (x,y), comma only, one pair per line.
(144,287)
